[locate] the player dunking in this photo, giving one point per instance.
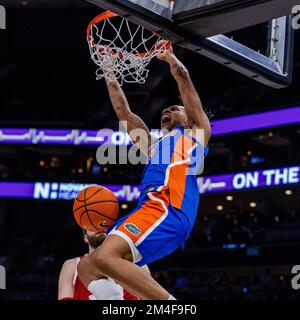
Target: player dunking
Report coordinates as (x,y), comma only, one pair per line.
(169,199)
(71,288)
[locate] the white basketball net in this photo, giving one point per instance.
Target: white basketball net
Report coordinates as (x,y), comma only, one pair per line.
(122,50)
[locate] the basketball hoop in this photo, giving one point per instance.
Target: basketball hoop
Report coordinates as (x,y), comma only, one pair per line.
(121,49)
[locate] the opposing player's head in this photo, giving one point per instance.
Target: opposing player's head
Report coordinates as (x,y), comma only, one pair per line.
(93,239)
(172,117)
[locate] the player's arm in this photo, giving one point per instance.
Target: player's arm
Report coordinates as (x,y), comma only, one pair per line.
(65,283)
(192,104)
(131,121)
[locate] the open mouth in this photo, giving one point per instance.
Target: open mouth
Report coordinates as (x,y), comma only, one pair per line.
(165,119)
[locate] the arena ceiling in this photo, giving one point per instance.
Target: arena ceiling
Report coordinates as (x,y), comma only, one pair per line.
(45,3)
(47,78)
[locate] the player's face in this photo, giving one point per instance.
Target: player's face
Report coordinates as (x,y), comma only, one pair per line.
(95,239)
(172,117)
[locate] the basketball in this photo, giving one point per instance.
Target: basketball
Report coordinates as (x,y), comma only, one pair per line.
(96,208)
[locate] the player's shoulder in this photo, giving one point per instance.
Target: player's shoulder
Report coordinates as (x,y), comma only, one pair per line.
(68,269)
(70,263)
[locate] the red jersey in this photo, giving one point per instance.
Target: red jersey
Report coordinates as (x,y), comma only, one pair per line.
(82,293)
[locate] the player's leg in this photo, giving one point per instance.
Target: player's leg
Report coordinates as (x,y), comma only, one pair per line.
(152,231)
(109,260)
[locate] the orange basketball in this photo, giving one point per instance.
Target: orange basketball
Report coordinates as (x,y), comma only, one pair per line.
(96,208)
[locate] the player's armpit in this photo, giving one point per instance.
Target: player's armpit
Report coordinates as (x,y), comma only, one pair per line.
(202,131)
(65,283)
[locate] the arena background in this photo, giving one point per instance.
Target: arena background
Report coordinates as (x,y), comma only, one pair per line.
(242,247)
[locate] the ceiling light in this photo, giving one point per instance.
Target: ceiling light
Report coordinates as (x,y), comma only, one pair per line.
(288,192)
(252,204)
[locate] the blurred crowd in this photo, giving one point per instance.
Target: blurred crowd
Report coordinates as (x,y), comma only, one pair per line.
(253,284)
(255,151)
(33,263)
(252,227)
(33,274)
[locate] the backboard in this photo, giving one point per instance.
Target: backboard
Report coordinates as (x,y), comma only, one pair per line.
(201,25)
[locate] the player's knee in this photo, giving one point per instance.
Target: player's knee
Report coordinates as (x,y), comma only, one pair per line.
(102,259)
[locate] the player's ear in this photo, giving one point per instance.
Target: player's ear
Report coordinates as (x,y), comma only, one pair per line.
(85,238)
